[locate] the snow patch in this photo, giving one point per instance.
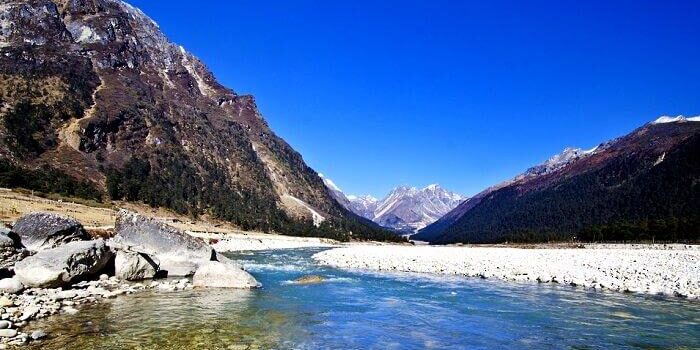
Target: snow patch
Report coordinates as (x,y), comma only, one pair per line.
(204,88)
(667,119)
(315,216)
(661,159)
(88,35)
(329,183)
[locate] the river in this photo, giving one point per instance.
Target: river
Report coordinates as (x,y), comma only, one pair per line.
(365,310)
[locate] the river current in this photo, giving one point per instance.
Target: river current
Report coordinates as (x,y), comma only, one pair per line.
(367,310)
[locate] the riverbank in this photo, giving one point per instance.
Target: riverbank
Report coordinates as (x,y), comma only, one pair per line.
(255,241)
(19,310)
(659,269)
(98,219)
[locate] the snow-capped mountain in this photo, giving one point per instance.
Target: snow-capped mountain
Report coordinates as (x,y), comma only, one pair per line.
(363,205)
(405,209)
(648,175)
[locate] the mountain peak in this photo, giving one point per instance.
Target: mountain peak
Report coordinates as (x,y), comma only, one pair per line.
(129,98)
(405,208)
(367,198)
(330,183)
(575,191)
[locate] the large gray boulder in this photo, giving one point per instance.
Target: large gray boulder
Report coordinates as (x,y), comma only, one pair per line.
(179,253)
(63,265)
(40,230)
(223,275)
(133,266)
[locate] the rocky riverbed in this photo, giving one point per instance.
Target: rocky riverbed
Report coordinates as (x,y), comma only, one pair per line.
(17,310)
(49,265)
(667,270)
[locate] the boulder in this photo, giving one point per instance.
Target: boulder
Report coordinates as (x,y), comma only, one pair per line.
(63,265)
(39,231)
(11,252)
(179,253)
(133,266)
(11,285)
(223,275)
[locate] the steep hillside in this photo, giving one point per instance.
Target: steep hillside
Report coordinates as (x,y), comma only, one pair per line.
(95,101)
(645,185)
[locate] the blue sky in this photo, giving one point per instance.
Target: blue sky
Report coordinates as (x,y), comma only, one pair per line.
(376,94)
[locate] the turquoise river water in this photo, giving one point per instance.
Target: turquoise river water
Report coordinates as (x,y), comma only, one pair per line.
(365,310)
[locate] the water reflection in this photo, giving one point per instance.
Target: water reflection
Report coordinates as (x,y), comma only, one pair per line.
(197,319)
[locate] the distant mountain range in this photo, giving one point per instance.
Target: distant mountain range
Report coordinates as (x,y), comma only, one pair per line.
(96,102)
(404,209)
(644,185)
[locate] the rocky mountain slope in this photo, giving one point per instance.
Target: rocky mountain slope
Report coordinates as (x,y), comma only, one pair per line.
(95,101)
(405,209)
(644,185)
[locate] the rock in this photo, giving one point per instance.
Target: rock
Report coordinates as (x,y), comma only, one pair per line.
(60,266)
(38,334)
(223,275)
(39,231)
(132,266)
(11,286)
(70,310)
(5,302)
(29,312)
(11,251)
(8,333)
(5,324)
(8,239)
(310,279)
(179,253)
(104,277)
(178,267)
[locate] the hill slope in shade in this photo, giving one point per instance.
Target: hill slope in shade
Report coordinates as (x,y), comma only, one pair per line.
(642,186)
(95,100)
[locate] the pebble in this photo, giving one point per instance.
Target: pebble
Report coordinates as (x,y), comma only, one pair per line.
(38,334)
(29,312)
(70,310)
(8,333)
(5,324)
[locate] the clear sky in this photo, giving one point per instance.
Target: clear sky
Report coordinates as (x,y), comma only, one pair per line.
(376,94)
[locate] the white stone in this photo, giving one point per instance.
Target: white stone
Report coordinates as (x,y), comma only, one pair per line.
(223,275)
(11,285)
(133,266)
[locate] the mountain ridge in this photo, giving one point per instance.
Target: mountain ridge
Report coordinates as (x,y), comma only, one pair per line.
(96,101)
(405,209)
(547,201)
